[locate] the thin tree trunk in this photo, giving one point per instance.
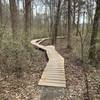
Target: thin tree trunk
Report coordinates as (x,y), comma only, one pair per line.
(74,15)
(56,23)
(14,17)
(51,18)
(78,20)
(0,23)
(65,24)
(69,25)
(27,16)
(0,12)
(32,11)
(18,4)
(30,18)
(83,23)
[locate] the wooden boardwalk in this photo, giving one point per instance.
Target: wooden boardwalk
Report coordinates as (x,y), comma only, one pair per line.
(54,73)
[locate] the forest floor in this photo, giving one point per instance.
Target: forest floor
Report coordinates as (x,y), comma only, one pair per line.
(26,87)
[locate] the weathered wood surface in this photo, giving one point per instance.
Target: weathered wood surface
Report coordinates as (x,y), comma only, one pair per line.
(54,73)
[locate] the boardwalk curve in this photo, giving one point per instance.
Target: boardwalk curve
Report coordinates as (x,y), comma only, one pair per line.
(54,73)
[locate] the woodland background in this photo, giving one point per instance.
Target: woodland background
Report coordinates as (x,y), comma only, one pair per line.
(78,21)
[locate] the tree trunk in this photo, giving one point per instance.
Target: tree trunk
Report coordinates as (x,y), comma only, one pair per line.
(0,23)
(83,26)
(56,23)
(51,18)
(18,4)
(92,50)
(78,20)
(65,24)
(14,17)
(27,16)
(69,25)
(74,15)
(0,12)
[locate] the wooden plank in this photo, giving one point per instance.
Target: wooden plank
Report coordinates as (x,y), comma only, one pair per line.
(53,81)
(54,71)
(50,78)
(53,74)
(53,78)
(52,84)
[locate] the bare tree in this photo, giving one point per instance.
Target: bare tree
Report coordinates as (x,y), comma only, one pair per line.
(14,17)
(27,16)
(78,19)
(74,14)
(69,25)
(90,10)
(52,8)
(83,26)
(0,11)
(57,17)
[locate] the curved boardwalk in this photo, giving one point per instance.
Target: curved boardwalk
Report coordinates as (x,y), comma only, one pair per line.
(54,73)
